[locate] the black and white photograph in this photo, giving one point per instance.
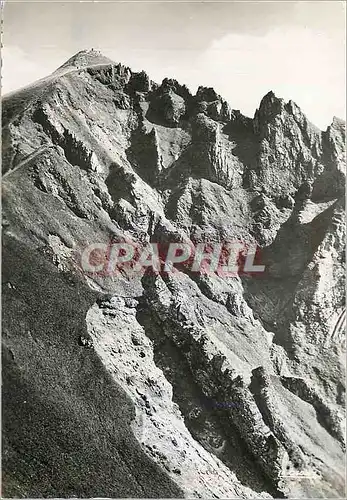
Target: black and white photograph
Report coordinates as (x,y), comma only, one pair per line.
(173,313)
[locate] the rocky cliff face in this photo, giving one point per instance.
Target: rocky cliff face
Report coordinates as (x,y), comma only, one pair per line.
(178,384)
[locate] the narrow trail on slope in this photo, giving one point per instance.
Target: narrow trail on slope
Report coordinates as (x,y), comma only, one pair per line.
(27,159)
(55,76)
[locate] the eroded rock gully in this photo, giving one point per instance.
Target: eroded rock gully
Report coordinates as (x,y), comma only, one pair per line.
(185,384)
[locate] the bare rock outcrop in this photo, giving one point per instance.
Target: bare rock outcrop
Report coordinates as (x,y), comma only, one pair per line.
(208,385)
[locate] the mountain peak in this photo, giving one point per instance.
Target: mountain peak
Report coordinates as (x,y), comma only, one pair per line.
(86,57)
(338,123)
(270,104)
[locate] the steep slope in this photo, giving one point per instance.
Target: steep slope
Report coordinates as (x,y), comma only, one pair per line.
(178,384)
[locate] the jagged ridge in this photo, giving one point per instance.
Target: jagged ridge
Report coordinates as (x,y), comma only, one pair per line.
(95,152)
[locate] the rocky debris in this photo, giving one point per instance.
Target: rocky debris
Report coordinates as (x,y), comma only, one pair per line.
(166,107)
(205,129)
(267,219)
(176,87)
(236,383)
(145,155)
(212,104)
(211,155)
(115,77)
(61,253)
(84,342)
(139,82)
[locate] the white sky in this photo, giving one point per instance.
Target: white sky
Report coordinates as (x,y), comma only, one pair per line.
(243,50)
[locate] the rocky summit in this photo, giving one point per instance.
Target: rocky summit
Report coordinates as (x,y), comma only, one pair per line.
(169,384)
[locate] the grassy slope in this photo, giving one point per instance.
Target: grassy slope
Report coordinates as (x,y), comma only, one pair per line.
(65,422)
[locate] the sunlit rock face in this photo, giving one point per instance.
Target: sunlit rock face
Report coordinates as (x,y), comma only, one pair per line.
(173,384)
